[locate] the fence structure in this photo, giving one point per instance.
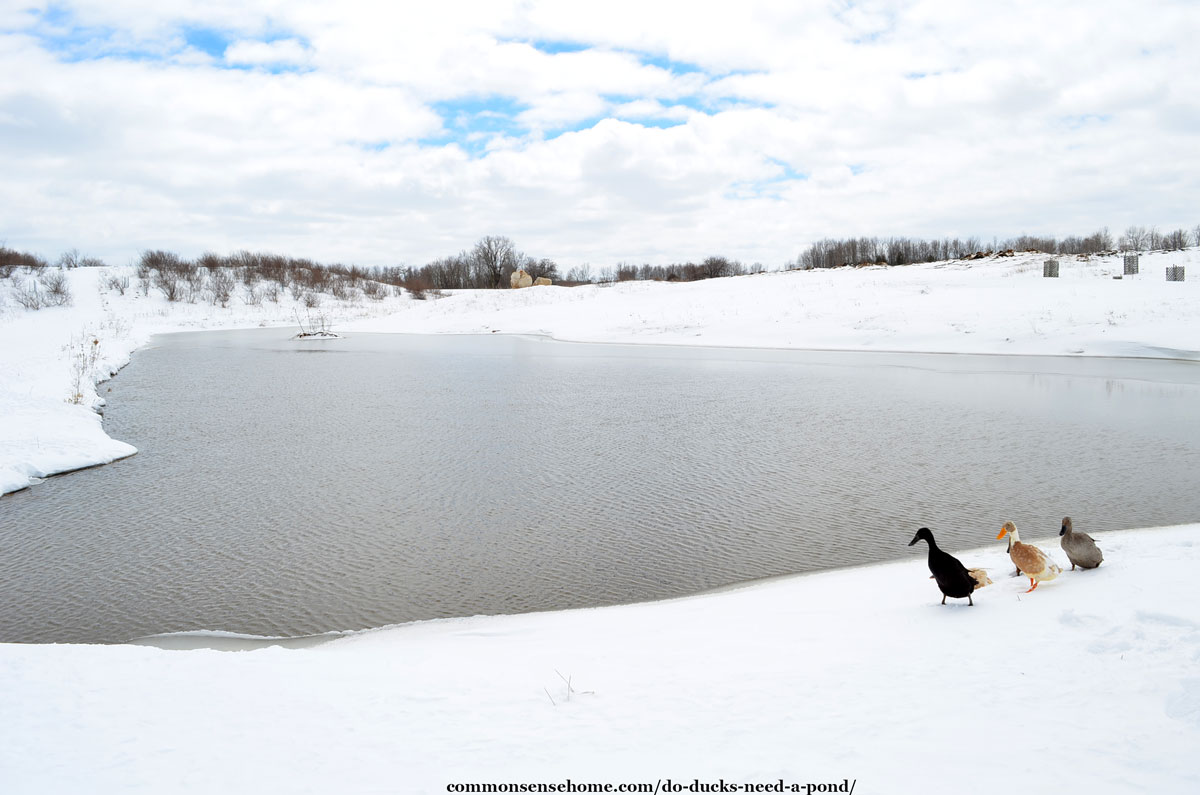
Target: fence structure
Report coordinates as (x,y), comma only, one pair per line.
(1050,269)
(1174,273)
(1131,264)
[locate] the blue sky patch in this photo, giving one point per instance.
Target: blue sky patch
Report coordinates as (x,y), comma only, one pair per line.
(659,123)
(787,172)
(492,113)
(667,64)
(58,31)
(206,40)
(556,47)
(473,122)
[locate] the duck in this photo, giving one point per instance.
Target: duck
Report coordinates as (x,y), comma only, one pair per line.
(1081,548)
(1032,561)
(953,578)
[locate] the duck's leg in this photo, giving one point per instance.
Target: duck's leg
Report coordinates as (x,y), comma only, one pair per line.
(970,601)
(1032,584)
(943,598)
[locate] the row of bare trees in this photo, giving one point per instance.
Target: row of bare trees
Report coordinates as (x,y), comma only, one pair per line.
(215,278)
(489,263)
(709,268)
(486,265)
(833,253)
(1141,238)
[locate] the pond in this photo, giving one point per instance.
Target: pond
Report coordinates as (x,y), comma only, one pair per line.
(290,488)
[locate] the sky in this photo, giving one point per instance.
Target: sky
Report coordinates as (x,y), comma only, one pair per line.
(394,133)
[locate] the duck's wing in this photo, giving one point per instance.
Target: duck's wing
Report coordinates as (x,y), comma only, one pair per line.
(1028,558)
(1085,553)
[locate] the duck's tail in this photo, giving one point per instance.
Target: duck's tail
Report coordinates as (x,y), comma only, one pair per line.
(980,577)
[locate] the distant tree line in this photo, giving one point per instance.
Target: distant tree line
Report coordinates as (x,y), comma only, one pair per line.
(709,268)
(834,253)
(486,265)
(489,263)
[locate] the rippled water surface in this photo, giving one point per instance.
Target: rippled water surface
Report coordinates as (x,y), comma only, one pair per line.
(288,488)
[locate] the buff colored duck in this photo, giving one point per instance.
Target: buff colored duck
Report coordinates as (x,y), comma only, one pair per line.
(953,578)
(1081,548)
(1032,561)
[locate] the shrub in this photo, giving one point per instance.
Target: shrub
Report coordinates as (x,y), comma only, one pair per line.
(27,294)
(170,285)
(57,289)
(118,284)
(251,296)
(374,290)
(220,286)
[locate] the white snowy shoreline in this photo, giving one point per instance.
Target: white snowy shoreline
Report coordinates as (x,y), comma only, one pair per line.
(1090,682)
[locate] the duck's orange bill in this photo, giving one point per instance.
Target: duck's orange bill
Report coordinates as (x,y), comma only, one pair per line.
(1002,532)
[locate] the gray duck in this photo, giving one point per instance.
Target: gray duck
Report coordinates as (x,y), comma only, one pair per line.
(1081,548)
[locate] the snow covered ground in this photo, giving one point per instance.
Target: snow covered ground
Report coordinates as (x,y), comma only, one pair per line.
(1091,682)
(996,305)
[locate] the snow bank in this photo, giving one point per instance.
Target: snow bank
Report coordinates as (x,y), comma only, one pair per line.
(997,305)
(1090,683)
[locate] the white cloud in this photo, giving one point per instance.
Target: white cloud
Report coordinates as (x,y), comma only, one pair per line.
(923,118)
(288,52)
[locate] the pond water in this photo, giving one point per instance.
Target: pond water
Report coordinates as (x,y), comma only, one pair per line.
(290,488)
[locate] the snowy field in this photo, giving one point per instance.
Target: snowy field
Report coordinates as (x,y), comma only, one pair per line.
(860,676)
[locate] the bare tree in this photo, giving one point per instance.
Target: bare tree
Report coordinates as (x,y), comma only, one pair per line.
(541,268)
(1175,240)
(1134,239)
(69,259)
(580,273)
(715,267)
(493,257)
(1156,241)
